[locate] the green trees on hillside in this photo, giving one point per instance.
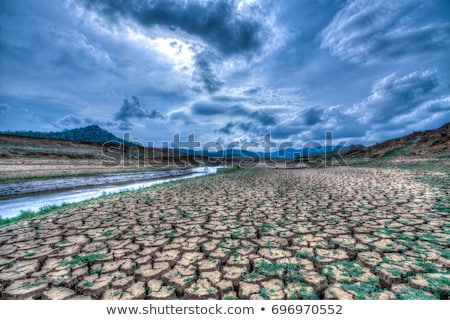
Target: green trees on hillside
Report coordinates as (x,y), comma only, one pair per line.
(91,133)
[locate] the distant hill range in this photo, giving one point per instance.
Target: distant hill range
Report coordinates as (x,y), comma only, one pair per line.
(432,143)
(91,133)
(90,142)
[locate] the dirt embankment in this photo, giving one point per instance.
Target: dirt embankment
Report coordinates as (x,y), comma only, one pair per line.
(334,233)
(430,143)
(14,189)
(27,157)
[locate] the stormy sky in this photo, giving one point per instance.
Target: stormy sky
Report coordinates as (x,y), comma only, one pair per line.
(226,70)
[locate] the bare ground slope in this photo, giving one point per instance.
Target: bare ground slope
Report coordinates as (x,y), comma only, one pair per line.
(430,143)
(23,158)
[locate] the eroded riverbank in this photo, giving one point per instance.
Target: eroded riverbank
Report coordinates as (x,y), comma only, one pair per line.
(14,189)
(48,192)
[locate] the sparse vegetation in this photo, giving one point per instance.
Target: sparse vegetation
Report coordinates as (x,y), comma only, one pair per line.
(80,260)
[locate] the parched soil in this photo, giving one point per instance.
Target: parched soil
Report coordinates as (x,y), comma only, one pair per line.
(332,233)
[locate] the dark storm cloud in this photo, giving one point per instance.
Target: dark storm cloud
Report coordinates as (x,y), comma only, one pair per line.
(262,122)
(397,95)
(367,31)
(225,30)
(216,22)
(208,108)
(205,71)
(230,127)
(211,108)
(312,123)
(311,116)
(365,70)
(263,117)
(133,110)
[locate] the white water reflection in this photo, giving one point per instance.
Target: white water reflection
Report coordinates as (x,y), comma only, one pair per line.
(13,207)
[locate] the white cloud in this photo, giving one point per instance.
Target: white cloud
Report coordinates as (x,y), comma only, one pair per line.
(368,32)
(395,95)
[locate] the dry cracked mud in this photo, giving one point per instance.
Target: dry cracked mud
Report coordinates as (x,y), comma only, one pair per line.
(331,233)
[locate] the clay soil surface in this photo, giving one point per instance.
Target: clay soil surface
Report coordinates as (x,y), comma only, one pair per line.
(331,233)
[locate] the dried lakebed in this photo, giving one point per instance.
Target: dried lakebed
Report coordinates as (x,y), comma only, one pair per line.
(49,192)
(333,233)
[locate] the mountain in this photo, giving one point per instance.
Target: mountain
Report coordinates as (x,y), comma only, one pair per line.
(428,143)
(91,133)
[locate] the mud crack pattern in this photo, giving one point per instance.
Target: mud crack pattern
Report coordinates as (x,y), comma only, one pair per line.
(333,233)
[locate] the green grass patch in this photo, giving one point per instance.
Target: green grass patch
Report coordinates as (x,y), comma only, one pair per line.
(441,207)
(172,234)
(108,233)
(30,254)
(80,260)
(29,214)
(289,272)
(29,286)
(264,293)
(95,271)
(364,290)
(445,254)
(350,268)
(413,294)
(304,293)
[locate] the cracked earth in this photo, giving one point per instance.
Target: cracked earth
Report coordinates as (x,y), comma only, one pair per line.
(332,233)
